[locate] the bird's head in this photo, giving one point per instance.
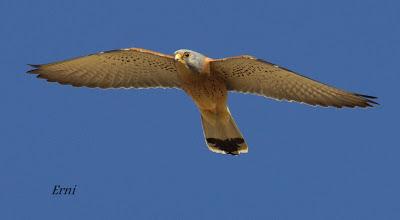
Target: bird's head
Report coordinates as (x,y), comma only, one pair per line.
(191,59)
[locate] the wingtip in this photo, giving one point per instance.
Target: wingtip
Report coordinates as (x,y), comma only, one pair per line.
(35,68)
(368,99)
(33,71)
(34,65)
(365,96)
(375,103)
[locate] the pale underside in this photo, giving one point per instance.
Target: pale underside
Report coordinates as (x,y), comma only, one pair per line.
(250,75)
(140,68)
(126,68)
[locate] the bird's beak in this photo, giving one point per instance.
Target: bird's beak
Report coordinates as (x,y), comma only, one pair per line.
(178,57)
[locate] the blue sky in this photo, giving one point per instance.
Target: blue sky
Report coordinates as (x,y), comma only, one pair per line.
(140,154)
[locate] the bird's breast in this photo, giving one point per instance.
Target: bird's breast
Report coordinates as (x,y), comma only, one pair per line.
(208,91)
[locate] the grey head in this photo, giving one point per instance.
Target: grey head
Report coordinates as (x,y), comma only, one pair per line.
(192,59)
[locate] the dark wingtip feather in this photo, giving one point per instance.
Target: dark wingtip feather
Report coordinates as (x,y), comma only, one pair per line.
(35,70)
(35,65)
(375,103)
(368,100)
(365,96)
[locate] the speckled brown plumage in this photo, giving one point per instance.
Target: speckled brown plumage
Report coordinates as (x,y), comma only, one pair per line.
(127,68)
(207,81)
(249,75)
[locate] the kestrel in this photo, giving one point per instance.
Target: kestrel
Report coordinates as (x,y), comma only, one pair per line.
(207,81)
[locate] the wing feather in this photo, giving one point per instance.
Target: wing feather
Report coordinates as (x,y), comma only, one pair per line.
(125,68)
(250,75)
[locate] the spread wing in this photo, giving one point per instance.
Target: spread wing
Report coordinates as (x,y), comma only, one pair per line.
(125,68)
(250,75)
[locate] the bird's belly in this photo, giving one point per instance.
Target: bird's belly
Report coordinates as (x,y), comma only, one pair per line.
(207,92)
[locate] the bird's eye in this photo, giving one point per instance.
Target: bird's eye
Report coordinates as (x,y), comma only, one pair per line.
(186,54)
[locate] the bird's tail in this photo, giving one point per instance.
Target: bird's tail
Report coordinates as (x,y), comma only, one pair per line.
(221,133)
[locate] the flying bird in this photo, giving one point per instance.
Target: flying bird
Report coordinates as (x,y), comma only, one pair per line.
(207,81)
